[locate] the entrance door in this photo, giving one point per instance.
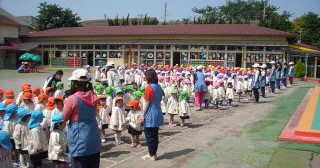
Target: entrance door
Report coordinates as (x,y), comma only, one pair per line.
(176,58)
(238,59)
(90,58)
(8,60)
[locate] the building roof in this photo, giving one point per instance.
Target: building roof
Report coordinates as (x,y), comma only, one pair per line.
(8,19)
(302,45)
(162,30)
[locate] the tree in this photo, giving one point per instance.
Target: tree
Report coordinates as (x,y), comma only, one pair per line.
(280,21)
(311,29)
(299,69)
(53,16)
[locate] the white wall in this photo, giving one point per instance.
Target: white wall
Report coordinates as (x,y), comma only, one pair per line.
(8,31)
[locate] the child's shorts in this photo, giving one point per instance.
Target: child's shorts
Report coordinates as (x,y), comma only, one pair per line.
(133,131)
(105,126)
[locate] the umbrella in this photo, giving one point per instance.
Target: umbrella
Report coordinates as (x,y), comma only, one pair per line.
(24,56)
(36,58)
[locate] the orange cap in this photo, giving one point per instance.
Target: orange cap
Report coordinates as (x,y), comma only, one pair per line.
(36,91)
(26,95)
(99,107)
(9,93)
(134,104)
(1,91)
(42,96)
(118,98)
(101,97)
(50,104)
(25,88)
(59,98)
(9,101)
(26,84)
(48,89)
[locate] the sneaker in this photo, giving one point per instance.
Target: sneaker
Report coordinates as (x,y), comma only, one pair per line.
(173,125)
(153,158)
(133,145)
(145,157)
(103,140)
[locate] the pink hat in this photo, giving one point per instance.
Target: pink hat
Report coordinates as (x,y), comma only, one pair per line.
(187,81)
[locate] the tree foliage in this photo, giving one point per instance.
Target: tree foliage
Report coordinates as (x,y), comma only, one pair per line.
(299,69)
(310,29)
(53,16)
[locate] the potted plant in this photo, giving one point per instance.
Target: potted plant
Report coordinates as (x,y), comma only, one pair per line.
(299,70)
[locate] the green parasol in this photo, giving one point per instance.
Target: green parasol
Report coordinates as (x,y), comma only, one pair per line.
(24,56)
(36,58)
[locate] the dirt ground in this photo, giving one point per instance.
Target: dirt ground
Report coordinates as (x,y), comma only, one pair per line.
(177,145)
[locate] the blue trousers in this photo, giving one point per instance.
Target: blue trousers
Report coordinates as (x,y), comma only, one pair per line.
(278,83)
(272,86)
(215,104)
(90,161)
(152,139)
(263,91)
(229,101)
(284,82)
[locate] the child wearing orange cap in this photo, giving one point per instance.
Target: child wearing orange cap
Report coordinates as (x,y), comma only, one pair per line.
(135,128)
(42,102)
(103,111)
(117,120)
(36,92)
(1,95)
(24,88)
(58,105)
(47,112)
(9,97)
(27,101)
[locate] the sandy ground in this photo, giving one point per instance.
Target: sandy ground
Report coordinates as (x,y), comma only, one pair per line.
(178,144)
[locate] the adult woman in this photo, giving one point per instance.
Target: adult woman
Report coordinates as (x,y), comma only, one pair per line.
(256,81)
(83,132)
(278,75)
(151,115)
(200,87)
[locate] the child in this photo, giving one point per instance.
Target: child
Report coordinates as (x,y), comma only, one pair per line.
(117,120)
(59,89)
(24,88)
(58,104)
(47,112)
(172,107)
(229,94)
(119,93)
(38,143)
(135,127)
(9,125)
(27,101)
(57,150)
(127,96)
(5,150)
(21,135)
(221,91)
(2,112)
(239,87)
(104,113)
(183,107)
(215,96)
(245,85)
(42,101)
(187,87)
(36,92)
(99,89)
(49,91)
(207,95)
(109,100)
(1,95)
(9,97)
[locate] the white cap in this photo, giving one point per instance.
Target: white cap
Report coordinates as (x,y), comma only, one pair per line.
(199,67)
(263,66)
(87,66)
(110,64)
(272,62)
(256,65)
(291,63)
(78,73)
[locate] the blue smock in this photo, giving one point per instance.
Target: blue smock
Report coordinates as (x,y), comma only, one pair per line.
(263,79)
(200,84)
(154,117)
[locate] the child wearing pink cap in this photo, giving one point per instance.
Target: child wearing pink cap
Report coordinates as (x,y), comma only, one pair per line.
(215,96)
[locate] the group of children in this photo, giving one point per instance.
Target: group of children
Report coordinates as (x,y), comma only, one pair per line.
(33,126)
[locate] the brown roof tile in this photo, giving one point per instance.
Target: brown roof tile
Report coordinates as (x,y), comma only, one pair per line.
(196,30)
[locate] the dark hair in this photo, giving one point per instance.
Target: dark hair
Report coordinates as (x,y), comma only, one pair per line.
(229,85)
(207,83)
(151,76)
(57,100)
(80,86)
(59,72)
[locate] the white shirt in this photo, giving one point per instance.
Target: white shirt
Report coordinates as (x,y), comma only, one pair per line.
(38,141)
(172,106)
(57,146)
(21,136)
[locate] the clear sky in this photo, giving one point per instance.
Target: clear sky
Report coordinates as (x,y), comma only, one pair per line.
(177,9)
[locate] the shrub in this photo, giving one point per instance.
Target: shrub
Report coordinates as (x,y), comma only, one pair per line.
(299,69)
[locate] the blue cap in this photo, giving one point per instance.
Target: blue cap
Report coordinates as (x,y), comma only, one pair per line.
(36,117)
(10,109)
(56,118)
(2,106)
(5,140)
(22,112)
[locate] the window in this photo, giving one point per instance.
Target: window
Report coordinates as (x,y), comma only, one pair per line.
(73,47)
(198,47)
(215,56)
(254,57)
(86,47)
(217,47)
(101,47)
(254,48)
(180,47)
(234,48)
(115,54)
(115,47)
(163,47)
(147,47)
(274,48)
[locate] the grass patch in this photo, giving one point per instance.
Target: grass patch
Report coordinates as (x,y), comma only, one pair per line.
(289,158)
(9,74)
(301,146)
(270,127)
